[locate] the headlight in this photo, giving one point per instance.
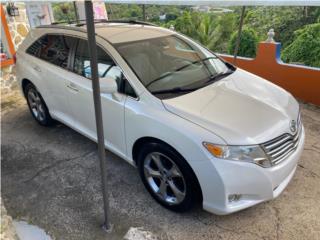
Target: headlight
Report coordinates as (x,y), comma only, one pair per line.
(252,153)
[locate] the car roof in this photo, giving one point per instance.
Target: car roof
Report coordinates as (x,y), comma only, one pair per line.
(120,32)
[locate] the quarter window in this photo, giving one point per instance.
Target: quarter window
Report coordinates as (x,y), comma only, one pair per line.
(35,47)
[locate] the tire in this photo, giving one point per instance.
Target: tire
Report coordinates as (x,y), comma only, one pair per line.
(37,106)
(173,185)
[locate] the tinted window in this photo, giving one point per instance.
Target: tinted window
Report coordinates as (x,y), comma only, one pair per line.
(34,49)
(52,48)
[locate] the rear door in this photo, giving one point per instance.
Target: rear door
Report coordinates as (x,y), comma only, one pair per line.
(54,51)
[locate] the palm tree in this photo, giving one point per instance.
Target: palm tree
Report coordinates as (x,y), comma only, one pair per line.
(207,31)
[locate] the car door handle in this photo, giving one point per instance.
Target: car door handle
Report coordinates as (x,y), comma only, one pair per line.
(37,68)
(73,87)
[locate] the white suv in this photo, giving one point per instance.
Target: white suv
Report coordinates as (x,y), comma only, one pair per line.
(199,129)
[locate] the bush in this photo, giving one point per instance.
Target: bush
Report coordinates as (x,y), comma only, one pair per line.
(305,47)
(60,16)
(184,24)
(248,43)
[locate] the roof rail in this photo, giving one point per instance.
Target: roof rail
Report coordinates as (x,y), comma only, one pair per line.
(82,22)
(63,27)
(129,21)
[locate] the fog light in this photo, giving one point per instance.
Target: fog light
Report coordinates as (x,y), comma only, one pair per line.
(234,197)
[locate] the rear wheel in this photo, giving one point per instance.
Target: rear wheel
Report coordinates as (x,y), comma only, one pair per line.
(167,177)
(37,106)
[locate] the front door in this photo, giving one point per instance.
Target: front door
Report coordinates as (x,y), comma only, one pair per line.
(80,96)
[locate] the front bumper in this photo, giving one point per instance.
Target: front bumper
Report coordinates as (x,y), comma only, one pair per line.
(255,184)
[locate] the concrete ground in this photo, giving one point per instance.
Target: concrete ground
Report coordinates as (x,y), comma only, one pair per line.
(50,178)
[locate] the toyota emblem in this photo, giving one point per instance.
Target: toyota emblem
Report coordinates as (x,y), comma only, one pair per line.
(293,126)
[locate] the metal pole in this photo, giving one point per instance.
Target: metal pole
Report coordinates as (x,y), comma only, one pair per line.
(76,11)
(236,49)
(144,12)
(98,111)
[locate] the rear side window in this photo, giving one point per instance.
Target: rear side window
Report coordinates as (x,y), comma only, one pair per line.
(53,49)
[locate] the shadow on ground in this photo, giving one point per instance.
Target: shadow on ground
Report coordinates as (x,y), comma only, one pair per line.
(51,178)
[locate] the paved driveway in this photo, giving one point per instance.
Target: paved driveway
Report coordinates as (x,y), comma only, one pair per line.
(50,177)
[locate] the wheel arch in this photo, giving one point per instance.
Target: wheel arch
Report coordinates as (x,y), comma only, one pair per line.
(143,140)
(24,83)
(147,139)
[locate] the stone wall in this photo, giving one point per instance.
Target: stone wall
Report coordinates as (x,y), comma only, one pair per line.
(19,25)
(7,231)
(19,28)
(8,80)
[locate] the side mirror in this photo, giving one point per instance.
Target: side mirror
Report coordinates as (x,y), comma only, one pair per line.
(108,85)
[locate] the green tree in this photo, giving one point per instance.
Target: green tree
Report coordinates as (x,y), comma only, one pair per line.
(248,43)
(184,24)
(63,12)
(214,30)
(226,24)
(134,11)
(306,46)
(284,20)
(206,31)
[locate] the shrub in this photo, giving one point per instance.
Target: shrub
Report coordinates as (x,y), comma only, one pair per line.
(305,47)
(248,43)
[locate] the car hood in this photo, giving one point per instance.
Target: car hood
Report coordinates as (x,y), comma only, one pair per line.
(242,109)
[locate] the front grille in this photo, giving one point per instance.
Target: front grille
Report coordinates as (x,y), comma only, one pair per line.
(280,148)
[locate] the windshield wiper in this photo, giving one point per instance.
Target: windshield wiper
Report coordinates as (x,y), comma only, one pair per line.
(218,76)
(194,62)
(178,69)
(175,90)
(186,90)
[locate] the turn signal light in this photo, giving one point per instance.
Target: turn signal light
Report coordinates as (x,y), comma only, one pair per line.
(215,150)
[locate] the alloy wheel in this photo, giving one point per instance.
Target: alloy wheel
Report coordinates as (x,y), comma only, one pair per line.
(164,178)
(36,105)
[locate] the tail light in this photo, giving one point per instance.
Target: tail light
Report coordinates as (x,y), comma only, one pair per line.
(15,57)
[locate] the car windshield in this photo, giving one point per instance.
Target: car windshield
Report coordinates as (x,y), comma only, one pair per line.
(170,66)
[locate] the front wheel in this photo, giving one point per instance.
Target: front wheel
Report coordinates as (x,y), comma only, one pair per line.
(167,177)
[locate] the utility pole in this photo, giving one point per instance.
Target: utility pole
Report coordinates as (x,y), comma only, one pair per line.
(98,111)
(76,11)
(144,12)
(236,49)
